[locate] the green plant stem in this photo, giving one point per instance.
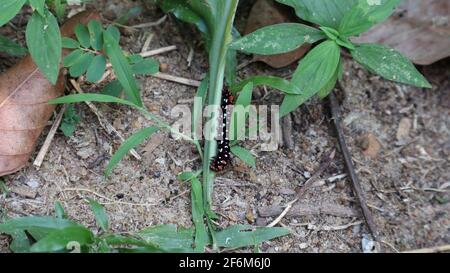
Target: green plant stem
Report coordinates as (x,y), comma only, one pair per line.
(221,37)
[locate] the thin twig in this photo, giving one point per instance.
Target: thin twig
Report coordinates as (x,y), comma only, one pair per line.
(325,164)
(176,79)
(48,141)
(436,249)
(105,124)
(158,51)
(151,24)
(350,168)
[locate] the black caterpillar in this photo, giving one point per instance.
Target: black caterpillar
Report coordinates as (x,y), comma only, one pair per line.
(222,158)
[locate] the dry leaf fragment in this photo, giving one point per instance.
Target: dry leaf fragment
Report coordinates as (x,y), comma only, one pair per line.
(419,29)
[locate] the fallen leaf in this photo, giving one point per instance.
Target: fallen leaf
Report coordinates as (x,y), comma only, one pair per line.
(419,29)
(265,13)
(24,111)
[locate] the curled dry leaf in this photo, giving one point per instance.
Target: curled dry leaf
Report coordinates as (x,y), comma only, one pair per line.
(24,111)
(419,29)
(265,13)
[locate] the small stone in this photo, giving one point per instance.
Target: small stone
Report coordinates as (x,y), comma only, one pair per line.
(403,129)
(303,245)
(163,67)
(370,145)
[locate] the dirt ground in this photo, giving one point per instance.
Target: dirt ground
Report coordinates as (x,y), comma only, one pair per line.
(406,181)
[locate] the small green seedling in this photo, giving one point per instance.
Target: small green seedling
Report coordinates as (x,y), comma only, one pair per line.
(70,121)
(318,72)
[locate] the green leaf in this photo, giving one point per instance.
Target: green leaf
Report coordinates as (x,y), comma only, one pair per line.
(100,214)
(243,235)
(270,81)
(146,67)
(96,34)
(314,72)
(328,88)
(135,58)
(39,227)
(366,14)
(9,9)
(331,33)
(12,48)
(59,240)
(113,88)
(276,39)
(59,211)
(198,214)
(83,36)
(96,69)
(20,242)
(238,121)
(129,144)
(114,32)
(73,57)
(122,68)
(81,65)
(168,238)
(245,155)
(328,13)
(38,5)
(44,43)
(389,63)
(90,97)
(70,43)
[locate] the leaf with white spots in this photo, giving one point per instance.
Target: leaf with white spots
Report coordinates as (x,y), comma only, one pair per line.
(276,39)
(389,63)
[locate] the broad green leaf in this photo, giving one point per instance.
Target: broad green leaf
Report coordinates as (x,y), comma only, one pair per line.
(326,90)
(59,240)
(117,240)
(44,43)
(328,13)
(90,97)
(129,144)
(276,39)
(135,58)
(245,155)
(97,68)
(270,81)
(82,34)
(244,236)
(70,43)
(12,48)
(122,68)
(81,65)
(38,5)
(20,242)
(59,7)
(146,67)
(366,14)
(389,63)
(198,214)
(113,88)
(59,211)
(39,227)
(100,214)
(96,34)
(168,238)
(314,72)
(9,9)
(73,57)
(115,33)
(331,33)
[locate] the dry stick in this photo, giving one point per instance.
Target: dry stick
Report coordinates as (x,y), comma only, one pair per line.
(48,141)
(158,51)
(108,127)
(350,168)
(171,78)
(436,249)
(325,164)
